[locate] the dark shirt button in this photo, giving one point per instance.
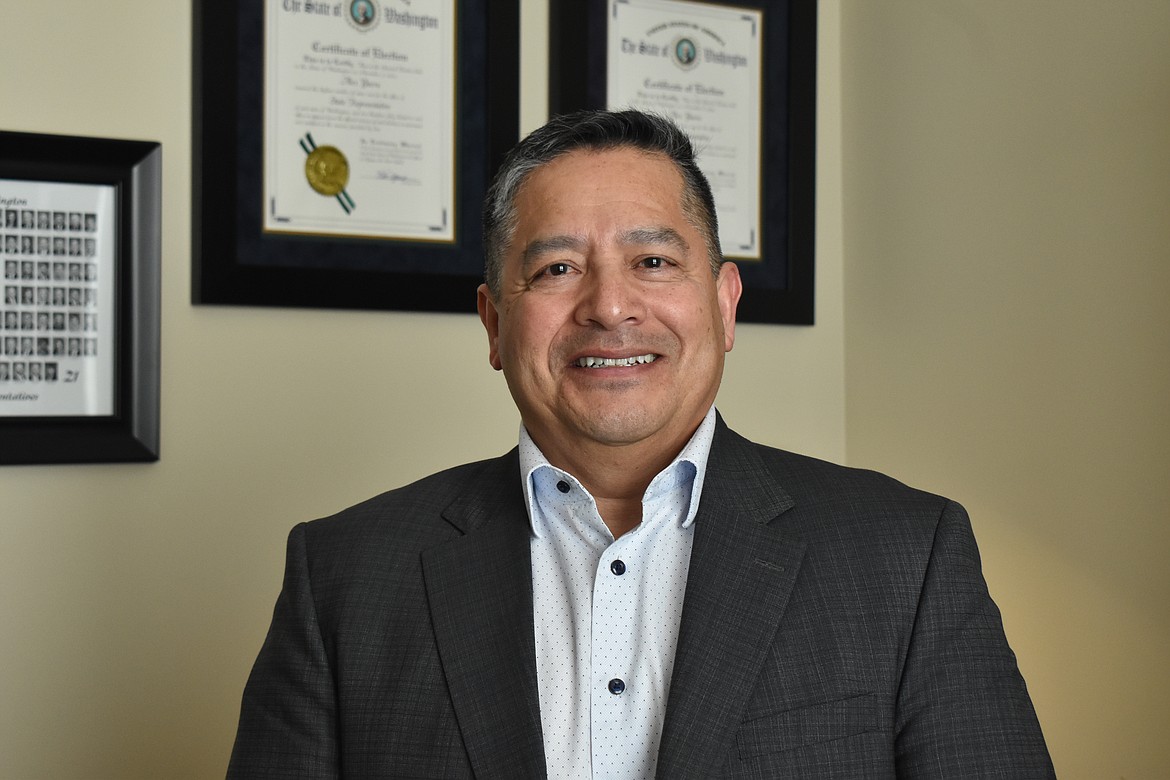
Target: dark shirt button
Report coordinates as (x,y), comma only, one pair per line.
(616,686)
(618,568)
(563,486)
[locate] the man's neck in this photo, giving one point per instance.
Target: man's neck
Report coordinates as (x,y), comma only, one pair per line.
(616,476)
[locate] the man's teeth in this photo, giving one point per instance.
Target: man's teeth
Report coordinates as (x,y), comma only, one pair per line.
(600,362)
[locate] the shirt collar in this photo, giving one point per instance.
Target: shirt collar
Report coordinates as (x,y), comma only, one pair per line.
(694,453)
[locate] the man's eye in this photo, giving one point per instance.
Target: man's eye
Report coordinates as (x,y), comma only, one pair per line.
(654,261)
(557,269)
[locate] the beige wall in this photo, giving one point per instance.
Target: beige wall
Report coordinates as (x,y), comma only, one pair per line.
(133,598)
(1006,177)
(1007,245)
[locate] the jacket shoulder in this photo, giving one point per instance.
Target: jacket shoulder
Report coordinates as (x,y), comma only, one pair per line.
(416,515)
(812,481)
(834,504)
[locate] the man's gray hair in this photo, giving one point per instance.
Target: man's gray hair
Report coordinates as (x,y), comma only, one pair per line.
(593,131)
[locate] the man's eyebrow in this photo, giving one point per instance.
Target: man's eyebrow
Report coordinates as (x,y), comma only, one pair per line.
(655,236)
(540,247)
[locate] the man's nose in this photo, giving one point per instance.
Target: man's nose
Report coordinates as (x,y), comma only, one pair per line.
(610,297)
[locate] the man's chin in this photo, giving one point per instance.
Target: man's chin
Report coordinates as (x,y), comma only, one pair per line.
(615,427)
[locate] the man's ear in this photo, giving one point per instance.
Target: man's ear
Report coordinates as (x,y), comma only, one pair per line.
(728,289)
(490,318)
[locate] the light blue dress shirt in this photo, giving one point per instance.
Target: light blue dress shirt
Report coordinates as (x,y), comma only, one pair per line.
(607,612)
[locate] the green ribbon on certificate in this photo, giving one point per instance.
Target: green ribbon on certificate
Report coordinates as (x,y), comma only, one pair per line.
(327,171)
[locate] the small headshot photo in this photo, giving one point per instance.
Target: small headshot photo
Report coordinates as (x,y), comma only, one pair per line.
(43,272)
(43,294)
(74,321)
(90,347)
(26,245)
(27,269)
(28,296)
(34,372)
(28,219)
(75,247)
(90,297)
(58,346)
(90,270)
(58,220)
(90,222)
(74,347)
(58,322)
(4,372)
(44,220)
(26,320)
(11,219)
(74,269)
(90,247)
(74,296)
(50,372)
(43,246)
(11,245)
(11,320)
(18,372)
(43,345)
(11,269)
(59,247)
(58,296)
(58,272)
(11,295)
(74,220)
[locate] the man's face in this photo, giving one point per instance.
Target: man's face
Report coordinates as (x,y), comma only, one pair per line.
(609,325)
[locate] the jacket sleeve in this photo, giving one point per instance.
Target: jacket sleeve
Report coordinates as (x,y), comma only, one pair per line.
(288,723)
(963,708)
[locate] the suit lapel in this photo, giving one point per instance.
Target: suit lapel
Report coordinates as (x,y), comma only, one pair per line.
(741,574)
(479,587)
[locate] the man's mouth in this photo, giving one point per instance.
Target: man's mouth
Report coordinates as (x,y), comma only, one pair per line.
(603,362)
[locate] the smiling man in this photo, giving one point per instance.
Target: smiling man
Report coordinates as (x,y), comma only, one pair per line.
(635,590)
(609,319)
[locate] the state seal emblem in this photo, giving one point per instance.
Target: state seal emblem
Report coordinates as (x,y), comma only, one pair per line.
(684,53)
(362,15)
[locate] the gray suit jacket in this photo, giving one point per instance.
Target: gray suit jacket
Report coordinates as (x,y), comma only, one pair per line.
(836,625)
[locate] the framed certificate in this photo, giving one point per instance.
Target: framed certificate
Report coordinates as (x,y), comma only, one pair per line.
(740,78)
(342,150)
(79,318)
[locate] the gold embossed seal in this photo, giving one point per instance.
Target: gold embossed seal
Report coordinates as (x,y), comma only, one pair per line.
(327,170)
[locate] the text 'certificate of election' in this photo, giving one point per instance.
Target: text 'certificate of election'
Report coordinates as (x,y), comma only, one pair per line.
(700,65)
(359,118)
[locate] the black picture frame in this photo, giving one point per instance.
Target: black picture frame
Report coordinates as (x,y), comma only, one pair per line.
(235,262)
(780,288)
(134,170)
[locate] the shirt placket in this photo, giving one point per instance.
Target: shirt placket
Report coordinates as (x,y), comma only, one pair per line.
(614,692)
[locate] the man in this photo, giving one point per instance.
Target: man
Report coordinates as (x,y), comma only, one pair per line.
(634,591)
